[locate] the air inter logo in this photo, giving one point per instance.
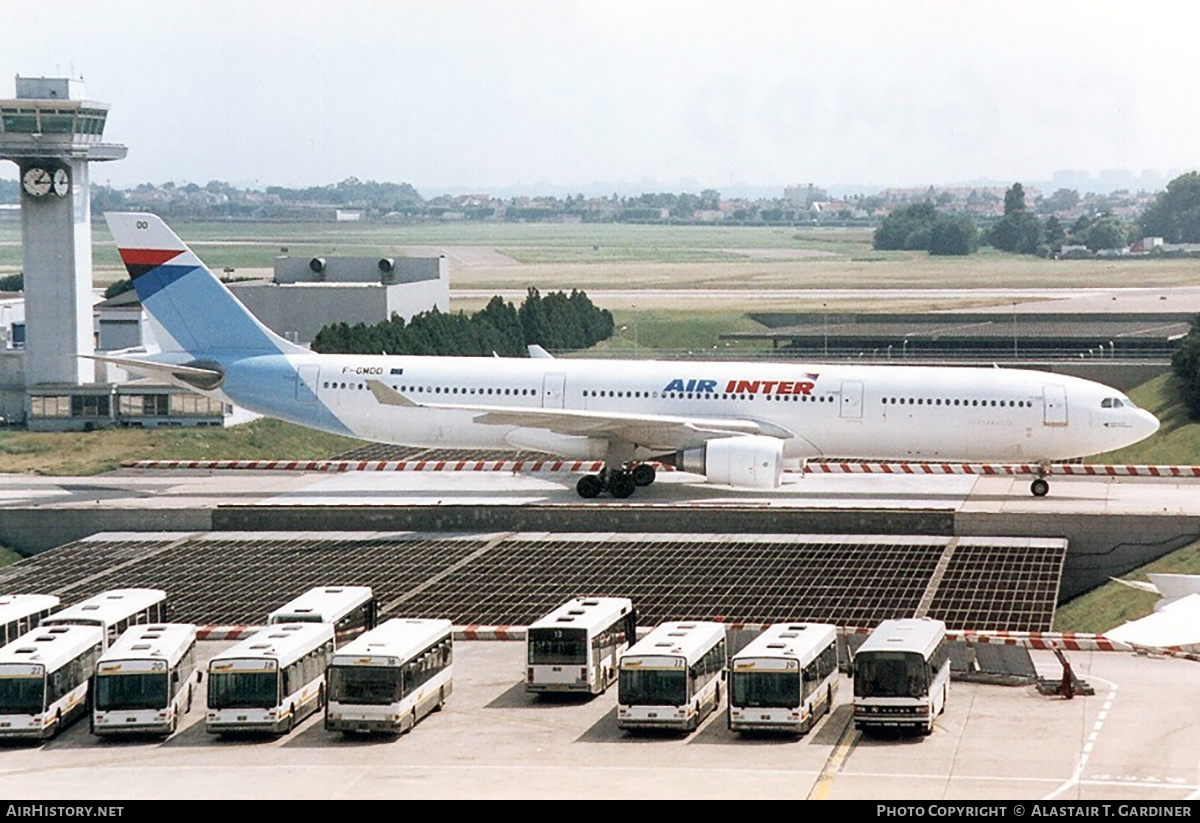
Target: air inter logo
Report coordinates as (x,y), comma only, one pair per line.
(745,386)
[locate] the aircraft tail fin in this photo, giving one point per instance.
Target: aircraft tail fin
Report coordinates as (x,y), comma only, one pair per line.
(192,310)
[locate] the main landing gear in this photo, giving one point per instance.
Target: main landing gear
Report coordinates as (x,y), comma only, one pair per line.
(620,483)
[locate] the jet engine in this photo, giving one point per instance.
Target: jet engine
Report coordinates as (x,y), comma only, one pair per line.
(752,461)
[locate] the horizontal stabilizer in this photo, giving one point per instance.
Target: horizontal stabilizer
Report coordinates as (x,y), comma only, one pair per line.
(195,376)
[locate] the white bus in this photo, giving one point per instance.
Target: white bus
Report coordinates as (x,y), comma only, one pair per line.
(351,610)
(144,681)
(114,611)
(270,681)
(671,678)
(902,675)
(391,677)
(784,678)
(44,677)
(21,613)
(575,648)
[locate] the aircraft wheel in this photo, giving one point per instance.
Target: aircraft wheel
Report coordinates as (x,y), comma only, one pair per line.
(643,474)
(622,485)
(1040,487)
(589,486)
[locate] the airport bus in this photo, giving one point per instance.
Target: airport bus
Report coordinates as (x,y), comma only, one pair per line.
(784,678)
(114,611)
(671,678)
(351,610)
(270,681)
(902,675)
(44,678)
(390,677)
(21,613)
(144,681)
(575,648)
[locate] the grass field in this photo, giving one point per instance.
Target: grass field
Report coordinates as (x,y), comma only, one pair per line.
(85,453)
(553,256)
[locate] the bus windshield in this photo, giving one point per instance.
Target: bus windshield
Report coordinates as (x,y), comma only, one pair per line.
(649,687)
(21,695)
(557,647)
(365,685)
(890,674)
(775,690)
(132,691)
(243,690)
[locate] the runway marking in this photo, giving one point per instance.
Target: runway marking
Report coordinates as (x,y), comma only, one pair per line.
(837,757)
(1076,778)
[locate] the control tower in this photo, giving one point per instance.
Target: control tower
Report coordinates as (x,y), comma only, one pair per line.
(52,133)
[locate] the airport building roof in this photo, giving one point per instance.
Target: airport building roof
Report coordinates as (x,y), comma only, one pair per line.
(223,578)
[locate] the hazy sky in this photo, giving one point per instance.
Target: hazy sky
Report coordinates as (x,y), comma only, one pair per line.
(657,93)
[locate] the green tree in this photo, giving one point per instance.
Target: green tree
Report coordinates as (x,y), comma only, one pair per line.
(1014,199)
(1061,200)
(1186,365)
(1107,232)
(1175,213)
(1019,232)
(953,235)
(908,227)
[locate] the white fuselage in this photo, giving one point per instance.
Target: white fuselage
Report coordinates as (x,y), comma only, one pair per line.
(846,411)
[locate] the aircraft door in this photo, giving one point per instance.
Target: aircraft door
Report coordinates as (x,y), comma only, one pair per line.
(553,390)
(852,400)
(1054,405)
(307,383)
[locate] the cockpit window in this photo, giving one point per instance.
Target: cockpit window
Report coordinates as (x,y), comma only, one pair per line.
(1106,403)
(1116,403)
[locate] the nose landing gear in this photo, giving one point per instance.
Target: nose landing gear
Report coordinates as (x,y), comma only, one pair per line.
(1040,487)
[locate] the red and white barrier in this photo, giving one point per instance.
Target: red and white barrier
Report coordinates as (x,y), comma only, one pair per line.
(1014,469)
(511,466)
(578,466)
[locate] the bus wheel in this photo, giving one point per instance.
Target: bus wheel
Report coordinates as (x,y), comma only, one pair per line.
(828,699)
(189,700)
(291,724)
(174,723)
(412,720)
(441,699)
(320,698)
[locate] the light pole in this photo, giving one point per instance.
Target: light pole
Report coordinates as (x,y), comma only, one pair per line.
(1014,331)
(825,308)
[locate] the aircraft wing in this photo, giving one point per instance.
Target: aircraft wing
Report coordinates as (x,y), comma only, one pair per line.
(1137,584)
(1175,626)
(650,430)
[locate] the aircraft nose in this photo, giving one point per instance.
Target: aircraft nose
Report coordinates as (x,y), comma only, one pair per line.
(1147,423)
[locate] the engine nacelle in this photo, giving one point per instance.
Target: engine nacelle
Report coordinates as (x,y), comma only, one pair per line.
(752,461)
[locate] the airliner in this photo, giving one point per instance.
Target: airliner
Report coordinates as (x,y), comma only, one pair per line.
(736,423)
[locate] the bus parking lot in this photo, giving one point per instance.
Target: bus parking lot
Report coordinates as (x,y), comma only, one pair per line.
(494,740)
